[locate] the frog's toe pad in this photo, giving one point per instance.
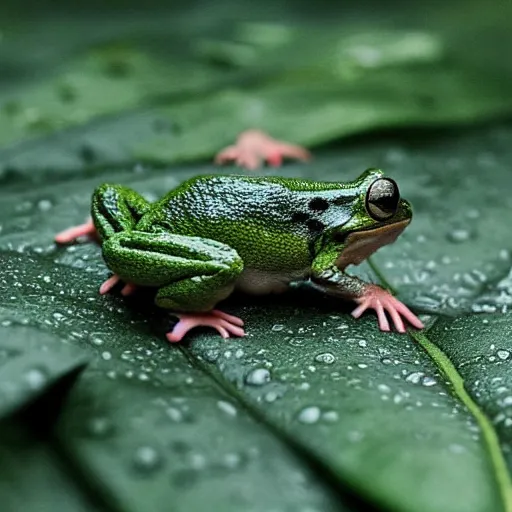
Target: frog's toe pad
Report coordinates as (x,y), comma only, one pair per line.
(253,146)
(225,324)
(112,281)
(71,234)
(383,302)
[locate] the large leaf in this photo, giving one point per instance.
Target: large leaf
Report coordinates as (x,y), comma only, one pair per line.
(148,86)
(310,391)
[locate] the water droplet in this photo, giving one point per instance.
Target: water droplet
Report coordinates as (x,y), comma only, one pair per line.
(100,427)
(326,358)
(107,356)
(147,459)
(362,343)
(44,205)
(503,354)
(271,396)
(258,377)
(277,327)
(362,365)
(35,378)
(330,416)
(309,415)
(456,448)
(507,400)
(232,460)
(175,414)
(429,381)
(414,377)
(459,235)
(97,341)
(226,407)
(386,360)
(383,388)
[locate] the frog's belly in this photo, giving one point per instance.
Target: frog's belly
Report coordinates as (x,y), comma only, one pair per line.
(261,282)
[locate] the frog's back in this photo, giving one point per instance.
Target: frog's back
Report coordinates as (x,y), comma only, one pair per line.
(265,219)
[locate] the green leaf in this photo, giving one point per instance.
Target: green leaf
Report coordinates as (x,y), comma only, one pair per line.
(181,90)
(30,379)
(372,413)
(33,477)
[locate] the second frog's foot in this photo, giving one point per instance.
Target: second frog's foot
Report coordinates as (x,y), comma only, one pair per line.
(128,288)
(224,324)
(71,234)
(254,146)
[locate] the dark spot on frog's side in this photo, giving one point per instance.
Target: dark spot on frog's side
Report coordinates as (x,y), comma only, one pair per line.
(318,204)
(300,217)
(315,226)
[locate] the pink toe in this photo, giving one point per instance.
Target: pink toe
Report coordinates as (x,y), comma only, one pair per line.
(128,289)
(230,318)
(109,284)
(70,234)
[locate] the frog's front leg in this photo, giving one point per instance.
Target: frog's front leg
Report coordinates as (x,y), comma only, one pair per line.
(114,208)
(192,275)
(327,277)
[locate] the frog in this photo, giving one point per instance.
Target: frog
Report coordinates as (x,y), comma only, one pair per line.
(216,234)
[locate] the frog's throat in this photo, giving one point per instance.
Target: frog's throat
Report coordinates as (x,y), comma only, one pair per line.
(361,244)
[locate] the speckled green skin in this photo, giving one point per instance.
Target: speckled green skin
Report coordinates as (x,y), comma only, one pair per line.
(213,233)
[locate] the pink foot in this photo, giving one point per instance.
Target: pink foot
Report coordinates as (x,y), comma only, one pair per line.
(380,300)
(128,288)
(252,146)
(71,234)
(225,324)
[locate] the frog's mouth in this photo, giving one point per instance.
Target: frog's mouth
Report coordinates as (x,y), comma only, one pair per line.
(361,244)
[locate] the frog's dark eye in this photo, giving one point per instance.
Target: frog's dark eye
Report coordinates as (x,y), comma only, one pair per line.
(382,199)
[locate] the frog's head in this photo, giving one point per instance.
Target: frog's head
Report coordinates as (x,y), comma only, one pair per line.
(378,217)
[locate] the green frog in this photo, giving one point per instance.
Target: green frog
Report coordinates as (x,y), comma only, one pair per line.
(215,234)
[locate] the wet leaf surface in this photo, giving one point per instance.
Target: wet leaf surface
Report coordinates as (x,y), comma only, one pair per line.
(310,392)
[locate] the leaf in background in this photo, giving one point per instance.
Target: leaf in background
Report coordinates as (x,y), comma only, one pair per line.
(309,81)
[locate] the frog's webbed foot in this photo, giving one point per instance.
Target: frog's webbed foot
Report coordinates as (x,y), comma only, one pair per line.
(71,234)
(225,324)
(128,288)
(253,146)
(382,301)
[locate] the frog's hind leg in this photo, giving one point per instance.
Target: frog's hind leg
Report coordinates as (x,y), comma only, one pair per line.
(193,274)
(114,208)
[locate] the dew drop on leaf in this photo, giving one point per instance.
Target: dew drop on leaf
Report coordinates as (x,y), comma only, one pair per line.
(174,414)
(35,378)
(414,377)
(277,327)
(326,358)
(147,459)
(258,377)
(309,415)
(503,354)
(99,427)
(429,381)
(107,356)
(226,407)
(330,416)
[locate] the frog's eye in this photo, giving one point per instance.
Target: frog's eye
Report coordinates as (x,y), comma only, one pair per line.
(382,199)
